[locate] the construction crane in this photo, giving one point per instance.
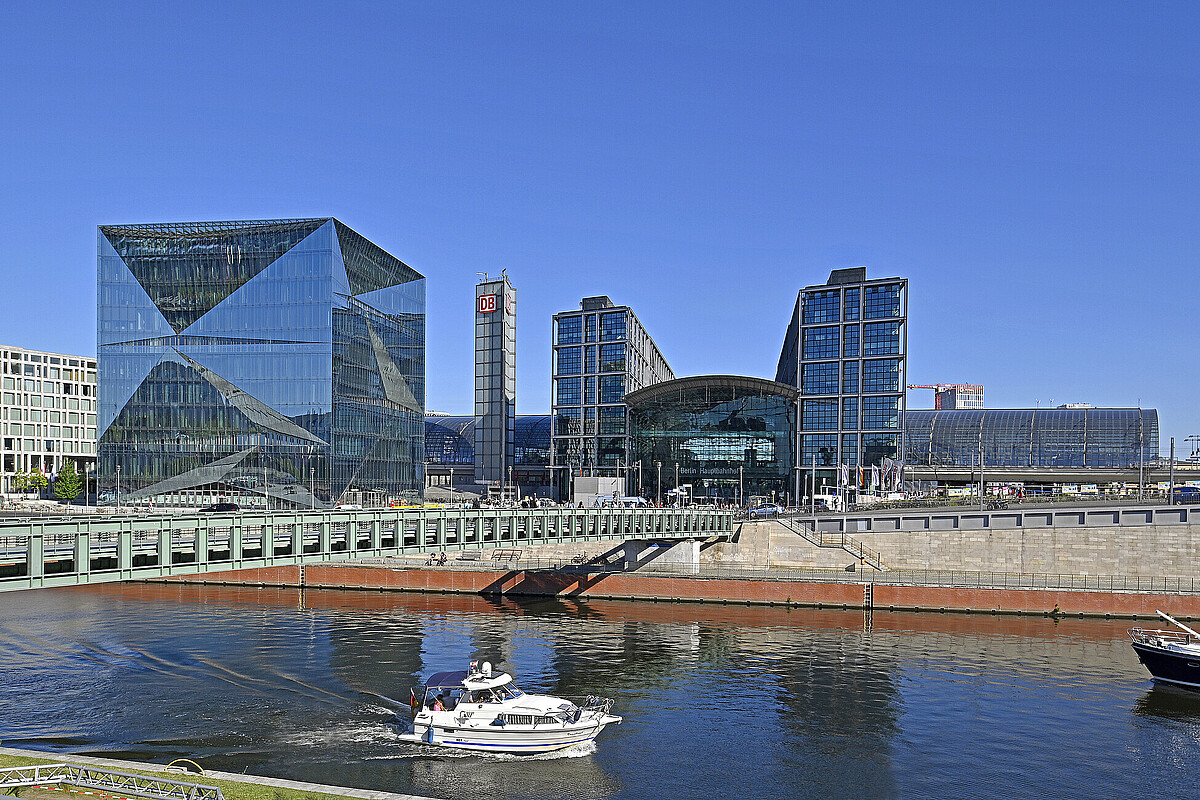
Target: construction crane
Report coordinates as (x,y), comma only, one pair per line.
(966,395)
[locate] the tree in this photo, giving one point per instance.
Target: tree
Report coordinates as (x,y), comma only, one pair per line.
(68,483)
(30,482)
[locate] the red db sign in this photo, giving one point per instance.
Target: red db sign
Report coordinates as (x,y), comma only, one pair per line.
(487,303)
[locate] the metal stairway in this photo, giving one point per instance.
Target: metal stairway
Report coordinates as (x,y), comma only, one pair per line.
(808,532)
(124,783)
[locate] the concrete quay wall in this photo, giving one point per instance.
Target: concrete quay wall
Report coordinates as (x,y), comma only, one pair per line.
(660,587)
(1145,550)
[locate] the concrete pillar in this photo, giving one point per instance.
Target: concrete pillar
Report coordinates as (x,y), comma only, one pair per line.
(83,555)
(35,557)
(124,551)
(201,545)
(326,531)
(164,549)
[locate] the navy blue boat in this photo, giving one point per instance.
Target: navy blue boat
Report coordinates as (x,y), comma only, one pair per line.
(1171,656)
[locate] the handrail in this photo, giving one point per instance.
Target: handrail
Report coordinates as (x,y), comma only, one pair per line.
(848,543)
(98,778)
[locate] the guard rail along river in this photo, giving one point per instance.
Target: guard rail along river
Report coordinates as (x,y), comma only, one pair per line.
(68,551)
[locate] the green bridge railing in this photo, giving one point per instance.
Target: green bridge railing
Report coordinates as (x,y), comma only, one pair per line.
(89,549)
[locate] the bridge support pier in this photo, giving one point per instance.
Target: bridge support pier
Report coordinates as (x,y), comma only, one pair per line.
(641,553)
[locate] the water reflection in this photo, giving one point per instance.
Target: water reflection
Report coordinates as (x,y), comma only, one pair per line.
(718,700)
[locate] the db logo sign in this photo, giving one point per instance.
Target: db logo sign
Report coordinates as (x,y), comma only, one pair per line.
(487,303)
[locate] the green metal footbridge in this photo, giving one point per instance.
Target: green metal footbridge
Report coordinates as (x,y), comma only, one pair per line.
(90,548)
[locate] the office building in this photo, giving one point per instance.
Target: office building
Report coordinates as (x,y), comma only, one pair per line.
(845,350)
(47,414)
(723,437)
(601,353)
(277,362)
(495,380)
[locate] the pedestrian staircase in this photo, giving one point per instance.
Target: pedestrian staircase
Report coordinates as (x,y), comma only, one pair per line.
(808,531)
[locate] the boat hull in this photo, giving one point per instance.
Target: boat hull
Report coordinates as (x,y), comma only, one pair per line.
(508,739)
(1170,666)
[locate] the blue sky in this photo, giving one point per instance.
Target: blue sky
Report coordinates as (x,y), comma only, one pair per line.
(1032,168)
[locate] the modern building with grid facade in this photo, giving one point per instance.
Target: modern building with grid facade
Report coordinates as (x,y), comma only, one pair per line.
(277,362)
(450,451)
(601,353)
(846,351)
(495,380)
(47,413)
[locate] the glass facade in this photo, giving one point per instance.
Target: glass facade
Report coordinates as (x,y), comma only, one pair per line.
(845,350)
(281,358)
(450,441)
(710,426)
(609,349)
(1046,437)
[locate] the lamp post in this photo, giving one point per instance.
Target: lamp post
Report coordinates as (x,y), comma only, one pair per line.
(741,490)
(639,477)
(118,488)
(658,483)
(312,487)
(1171,485)
(677,483)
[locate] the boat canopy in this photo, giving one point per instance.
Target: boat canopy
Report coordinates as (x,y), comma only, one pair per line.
(447,680)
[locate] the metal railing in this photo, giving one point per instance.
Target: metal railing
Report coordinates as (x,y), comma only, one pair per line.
(85,550)
(851,545)
(126,783)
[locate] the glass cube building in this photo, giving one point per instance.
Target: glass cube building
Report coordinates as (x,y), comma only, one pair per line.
(277,362)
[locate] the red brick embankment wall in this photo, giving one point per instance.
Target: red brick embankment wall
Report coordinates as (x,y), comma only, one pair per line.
(642,586)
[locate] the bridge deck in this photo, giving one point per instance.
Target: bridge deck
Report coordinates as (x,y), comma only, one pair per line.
(88,549)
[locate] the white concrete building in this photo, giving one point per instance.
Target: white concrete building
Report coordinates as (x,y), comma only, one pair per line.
(47,413)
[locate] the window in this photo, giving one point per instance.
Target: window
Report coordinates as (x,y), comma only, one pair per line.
(612,357)
(821,307)
(820,343)
(590,327)
(612,326)
(567,421)
(589,421)
(820,415)
(851,306)
(850,449)
(881,301)
(882,375)
(570,361)
(568,392)
(589,391)
(820,378)
(822,446)
(612,388)
(880,412)
(612,420)
(850,377)
(850,342)
(589,365)
(570,330)
(881,338)
(850,413)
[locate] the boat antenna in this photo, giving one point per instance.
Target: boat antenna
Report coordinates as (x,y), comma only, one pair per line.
(1174,621)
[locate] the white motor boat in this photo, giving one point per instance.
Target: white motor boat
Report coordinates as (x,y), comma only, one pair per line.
(482,710)
(1171,656)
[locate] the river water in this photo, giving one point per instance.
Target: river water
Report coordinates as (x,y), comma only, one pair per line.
(719,701)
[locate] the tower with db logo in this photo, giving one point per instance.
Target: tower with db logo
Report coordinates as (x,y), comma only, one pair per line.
(495,380)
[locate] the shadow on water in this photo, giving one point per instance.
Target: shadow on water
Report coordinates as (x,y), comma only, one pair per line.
(1173,703)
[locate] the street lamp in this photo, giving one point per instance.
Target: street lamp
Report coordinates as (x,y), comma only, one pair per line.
(118,488)
(741,490)
(676,483)
(658,483)
(639,478)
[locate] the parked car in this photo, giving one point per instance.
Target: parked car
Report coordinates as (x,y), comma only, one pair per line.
(217,508)
(349,507)
(766,510)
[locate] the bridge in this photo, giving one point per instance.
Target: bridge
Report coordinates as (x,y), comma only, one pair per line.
(69,551)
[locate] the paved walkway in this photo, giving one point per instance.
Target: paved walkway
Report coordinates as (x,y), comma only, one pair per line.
(69,758)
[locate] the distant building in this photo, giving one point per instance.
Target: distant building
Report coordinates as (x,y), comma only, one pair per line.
(450,451)
(47,413)
(601,353)
(275,362)
(846,351)
(1031,445)
(495,380)
(948,397)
